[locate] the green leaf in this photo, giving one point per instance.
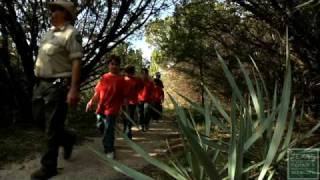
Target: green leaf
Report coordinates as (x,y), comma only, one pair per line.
(254,166)
(306,4)
(260,77)
(218,105)
(289,134)
(232,156)
(129,118)
(231,80)
(195,147)
(259,131)
(171,171)
(121,167)
(281,122)
(193,104)
(213,144)
(306,135)
(252,92)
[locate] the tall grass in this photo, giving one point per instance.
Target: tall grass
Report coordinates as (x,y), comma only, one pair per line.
(260,128)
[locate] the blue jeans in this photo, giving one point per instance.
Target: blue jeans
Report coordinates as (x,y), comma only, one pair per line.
(127,124)
(108,135)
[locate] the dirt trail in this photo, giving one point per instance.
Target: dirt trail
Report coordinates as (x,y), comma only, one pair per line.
(84,164)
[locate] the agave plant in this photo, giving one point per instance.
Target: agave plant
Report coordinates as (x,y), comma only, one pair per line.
(260,131)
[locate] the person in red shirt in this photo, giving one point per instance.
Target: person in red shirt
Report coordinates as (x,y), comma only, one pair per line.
(109,93)
(133,86)
(145,99)
(158,97)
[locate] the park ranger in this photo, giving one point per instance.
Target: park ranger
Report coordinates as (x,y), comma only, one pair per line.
(57,71)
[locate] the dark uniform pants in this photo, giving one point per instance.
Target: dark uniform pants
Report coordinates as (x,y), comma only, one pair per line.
(50,110)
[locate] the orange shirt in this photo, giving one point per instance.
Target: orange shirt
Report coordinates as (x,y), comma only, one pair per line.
(111,94)
(158,94)
(145,95)
(132,87)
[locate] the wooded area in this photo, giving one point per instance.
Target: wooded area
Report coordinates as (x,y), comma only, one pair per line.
(247,72)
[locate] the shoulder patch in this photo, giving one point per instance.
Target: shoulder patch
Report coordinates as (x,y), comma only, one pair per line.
(79,38)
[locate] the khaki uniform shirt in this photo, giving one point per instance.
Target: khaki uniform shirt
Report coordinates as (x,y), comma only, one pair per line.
(58,48)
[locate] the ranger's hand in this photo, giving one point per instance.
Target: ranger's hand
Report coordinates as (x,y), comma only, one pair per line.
(73,97)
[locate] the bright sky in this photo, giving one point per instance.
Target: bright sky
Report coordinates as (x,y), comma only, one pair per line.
(145,47)
(142,44)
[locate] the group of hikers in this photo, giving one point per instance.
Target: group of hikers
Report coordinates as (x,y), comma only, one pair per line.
(57,87)
(127,92)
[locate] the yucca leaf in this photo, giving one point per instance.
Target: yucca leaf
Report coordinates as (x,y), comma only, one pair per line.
(306,135)
(249,121)
(254,166)
(179,111)
(240,151)
(215,156)
(196,149)
(200,154)
(232,156)
(195,128)
(260,98)
(218,105)
(196,167)
(175,162)
(306,4)
(171,171)
(129,118)
(225,167)
(219,123)
(260,77)
(252,92)
(281,122)
(121,167)
(259,131)
(213,144)
(289,133)
(193,104)
(231,80)
(271,175)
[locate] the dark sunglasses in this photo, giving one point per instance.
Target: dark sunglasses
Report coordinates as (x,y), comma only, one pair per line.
(56,8)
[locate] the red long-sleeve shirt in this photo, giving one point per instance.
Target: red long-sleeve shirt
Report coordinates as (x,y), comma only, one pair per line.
(111,94)
(158,94)
(132,87)
(145,95)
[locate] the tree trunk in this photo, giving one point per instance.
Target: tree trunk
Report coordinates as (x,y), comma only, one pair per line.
(6,105)
(201,71)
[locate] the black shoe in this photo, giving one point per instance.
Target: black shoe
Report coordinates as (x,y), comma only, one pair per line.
(43,174)
(68,148)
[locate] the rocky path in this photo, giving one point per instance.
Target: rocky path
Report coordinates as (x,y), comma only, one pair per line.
(84,164)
